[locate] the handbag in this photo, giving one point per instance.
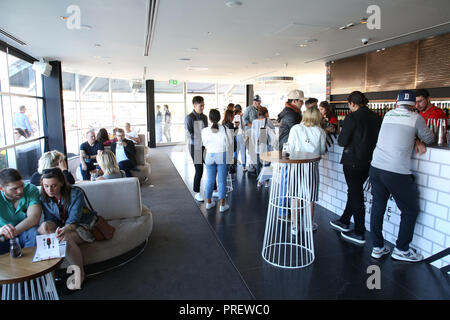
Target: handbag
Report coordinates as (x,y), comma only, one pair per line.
(102,230)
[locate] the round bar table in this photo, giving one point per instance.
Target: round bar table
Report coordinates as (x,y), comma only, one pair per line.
(288,238)
(22,279)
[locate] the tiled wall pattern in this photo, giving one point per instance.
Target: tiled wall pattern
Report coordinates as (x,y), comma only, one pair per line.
(432,172)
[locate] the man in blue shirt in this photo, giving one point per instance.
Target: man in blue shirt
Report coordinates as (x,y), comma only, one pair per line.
(20,210)
(21,121)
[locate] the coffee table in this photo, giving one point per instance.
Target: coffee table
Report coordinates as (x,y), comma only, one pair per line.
(22,279)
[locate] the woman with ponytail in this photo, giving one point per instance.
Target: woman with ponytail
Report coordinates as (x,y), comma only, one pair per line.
(216,142)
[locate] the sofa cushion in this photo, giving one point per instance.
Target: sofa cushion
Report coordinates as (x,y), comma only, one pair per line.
(115,198)
(140,155)
(129,233)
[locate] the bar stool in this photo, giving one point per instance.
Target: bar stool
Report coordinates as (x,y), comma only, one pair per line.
(289,209)
(229,183)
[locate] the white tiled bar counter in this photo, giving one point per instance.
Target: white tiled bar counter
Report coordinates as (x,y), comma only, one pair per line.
(432,172)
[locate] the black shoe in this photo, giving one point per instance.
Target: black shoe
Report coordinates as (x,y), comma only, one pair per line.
(338,225)
(354,237)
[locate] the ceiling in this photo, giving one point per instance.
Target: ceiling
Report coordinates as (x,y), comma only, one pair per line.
(238,44)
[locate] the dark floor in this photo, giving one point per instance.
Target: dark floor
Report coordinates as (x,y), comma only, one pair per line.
(339,270)
(194,254)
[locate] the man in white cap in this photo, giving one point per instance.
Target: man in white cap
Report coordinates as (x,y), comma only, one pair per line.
(291,115)
(390,174)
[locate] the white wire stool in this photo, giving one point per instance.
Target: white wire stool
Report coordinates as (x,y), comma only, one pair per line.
(229,183)
(289,207)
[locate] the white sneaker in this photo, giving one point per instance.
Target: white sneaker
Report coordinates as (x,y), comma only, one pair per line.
(198,197)
(377,252)
(215,194)
(224,208)
(410,256)
(210,205)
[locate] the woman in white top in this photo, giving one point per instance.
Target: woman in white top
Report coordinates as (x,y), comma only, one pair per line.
(240,135)
(216,142)
(260,135)
(308,136)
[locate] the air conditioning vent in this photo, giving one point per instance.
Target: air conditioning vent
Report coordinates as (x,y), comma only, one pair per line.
(152,11)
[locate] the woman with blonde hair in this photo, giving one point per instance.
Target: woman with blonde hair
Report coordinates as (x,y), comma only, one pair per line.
(308,136)
(51,159)
(108,163)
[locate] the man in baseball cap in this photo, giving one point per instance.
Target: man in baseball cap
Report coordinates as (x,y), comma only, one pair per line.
(290,115)
(390,174)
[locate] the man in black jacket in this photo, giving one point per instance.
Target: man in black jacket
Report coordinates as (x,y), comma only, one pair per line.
(358,136)
(125,152)
(194,123)
(291,115)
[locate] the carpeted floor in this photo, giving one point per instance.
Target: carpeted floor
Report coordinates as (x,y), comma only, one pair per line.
(183,259)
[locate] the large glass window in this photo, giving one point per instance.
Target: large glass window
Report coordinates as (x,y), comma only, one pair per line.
(170,112)
(21,117)
(93,103)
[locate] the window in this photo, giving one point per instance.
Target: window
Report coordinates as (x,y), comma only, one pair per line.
(170,112)
(92,102)
(21,117)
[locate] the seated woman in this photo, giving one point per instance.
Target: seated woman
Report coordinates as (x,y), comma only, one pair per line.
(51,159)
(103,137)
(108,163)
(66,214)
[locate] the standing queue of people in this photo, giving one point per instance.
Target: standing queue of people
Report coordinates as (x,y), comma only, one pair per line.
(371,149)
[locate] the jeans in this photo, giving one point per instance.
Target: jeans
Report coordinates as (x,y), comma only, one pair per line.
(216,164)
(26,239)
(87,174)
(355,178)
(406,196)
(126,165)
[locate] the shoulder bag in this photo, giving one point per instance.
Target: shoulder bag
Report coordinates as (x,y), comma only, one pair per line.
(102,230)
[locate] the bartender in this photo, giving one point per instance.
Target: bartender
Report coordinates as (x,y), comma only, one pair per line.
(426,109)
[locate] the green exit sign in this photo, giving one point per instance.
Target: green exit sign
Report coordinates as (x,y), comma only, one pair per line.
(173,82)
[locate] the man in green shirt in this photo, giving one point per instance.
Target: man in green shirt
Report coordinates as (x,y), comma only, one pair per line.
(20,210)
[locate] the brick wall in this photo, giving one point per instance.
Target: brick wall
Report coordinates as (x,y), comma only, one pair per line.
(432,172)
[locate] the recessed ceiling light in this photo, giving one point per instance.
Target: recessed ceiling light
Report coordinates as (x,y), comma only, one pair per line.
(233,3)
(302,45)
(97,45)
(196,68)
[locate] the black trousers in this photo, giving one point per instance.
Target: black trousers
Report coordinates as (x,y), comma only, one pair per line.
(198,160)
(406,196)
(355,177)
(126,165)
